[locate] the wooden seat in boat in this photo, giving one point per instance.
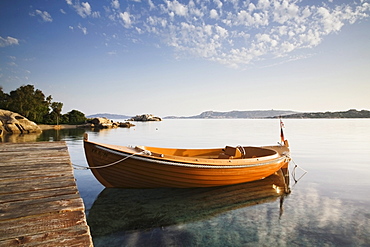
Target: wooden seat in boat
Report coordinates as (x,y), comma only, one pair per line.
(231,153)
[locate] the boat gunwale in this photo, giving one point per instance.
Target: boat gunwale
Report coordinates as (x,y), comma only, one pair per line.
(192,162)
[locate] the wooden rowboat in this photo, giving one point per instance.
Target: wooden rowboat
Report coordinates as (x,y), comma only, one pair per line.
(153,167)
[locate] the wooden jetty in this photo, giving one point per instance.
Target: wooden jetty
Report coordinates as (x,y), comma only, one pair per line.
(39,201)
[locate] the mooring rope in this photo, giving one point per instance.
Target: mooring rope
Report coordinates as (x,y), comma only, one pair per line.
(294,170)
(78,167)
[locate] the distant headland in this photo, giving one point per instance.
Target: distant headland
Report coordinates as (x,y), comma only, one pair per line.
(109,115)
(257,114)
(236,114)
(353,113)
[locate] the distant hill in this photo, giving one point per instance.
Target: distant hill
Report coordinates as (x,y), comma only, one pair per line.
(353,113)
(236,114)
(109,116)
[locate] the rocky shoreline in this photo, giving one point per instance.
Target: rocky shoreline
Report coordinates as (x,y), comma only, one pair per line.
(97,123)
(13,123)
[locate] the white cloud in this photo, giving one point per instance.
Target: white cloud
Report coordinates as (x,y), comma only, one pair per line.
(13,64)
(213,14)
(8,41)
(45,16)
(95,14)
(126,18)
(195,12)
(115,4)
(151,5)
(139,30)
(84,9)
(208,30)
(112,53)
(330,21)
(310,39)
(238,33)
(177,8)
(83,29)
(284,11)
(218,3)
(263,37)
(286,47)
(222,31)
(251,7)
(306,12)
(243,18)
(263,4)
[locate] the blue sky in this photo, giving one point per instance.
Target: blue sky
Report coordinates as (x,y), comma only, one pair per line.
(173,57)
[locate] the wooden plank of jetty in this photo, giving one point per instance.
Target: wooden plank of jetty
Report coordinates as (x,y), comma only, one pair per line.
(39,201)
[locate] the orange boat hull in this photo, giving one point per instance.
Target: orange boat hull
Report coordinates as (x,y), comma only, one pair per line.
(117,166)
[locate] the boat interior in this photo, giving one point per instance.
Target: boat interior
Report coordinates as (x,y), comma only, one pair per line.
(228,152)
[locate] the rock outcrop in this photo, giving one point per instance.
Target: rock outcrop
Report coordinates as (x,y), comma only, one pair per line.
(14,123)
(145,117)
(125,124)
(102,123)
(105,123)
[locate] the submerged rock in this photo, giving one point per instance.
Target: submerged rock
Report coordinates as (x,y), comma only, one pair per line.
(14,123)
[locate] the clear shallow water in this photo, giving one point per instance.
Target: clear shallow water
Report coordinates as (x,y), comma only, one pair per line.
(329,206)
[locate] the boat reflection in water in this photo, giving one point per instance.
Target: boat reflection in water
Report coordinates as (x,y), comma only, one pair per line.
(120,210)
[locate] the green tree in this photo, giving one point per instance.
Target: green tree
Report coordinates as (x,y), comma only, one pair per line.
(29,102)
(33,105)
(56,110)
(75,117)
(3,99)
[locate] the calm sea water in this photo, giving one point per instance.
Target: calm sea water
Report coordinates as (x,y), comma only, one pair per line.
(328,206)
